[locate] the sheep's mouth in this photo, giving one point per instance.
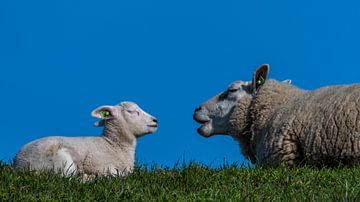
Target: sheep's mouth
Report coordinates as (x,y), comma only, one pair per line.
(202,121)
(205,128)
(203,124)
(206,124)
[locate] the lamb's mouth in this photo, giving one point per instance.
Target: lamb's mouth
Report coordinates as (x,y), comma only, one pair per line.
(153,126)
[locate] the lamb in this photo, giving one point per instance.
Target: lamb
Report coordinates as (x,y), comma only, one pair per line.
(278,124)
(113,153)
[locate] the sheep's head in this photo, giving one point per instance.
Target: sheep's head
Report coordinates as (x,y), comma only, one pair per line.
(215,114)
(126,115)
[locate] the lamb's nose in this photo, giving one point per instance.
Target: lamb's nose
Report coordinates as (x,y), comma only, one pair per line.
(155,120)
(198,109)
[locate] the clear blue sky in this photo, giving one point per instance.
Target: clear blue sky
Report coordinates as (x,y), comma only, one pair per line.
(60,59)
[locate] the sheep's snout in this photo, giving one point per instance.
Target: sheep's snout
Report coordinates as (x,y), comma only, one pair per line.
(201,115)
(214,114)
(197,109)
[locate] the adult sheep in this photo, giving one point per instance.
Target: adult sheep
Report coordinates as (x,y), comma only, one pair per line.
(113,153)
(277,123)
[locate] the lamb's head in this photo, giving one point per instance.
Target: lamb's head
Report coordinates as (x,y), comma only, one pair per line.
(126,115)
(215,114)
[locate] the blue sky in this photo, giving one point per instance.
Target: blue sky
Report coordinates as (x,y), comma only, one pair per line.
(60,59)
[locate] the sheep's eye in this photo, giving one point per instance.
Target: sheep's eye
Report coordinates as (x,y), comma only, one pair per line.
(231,90)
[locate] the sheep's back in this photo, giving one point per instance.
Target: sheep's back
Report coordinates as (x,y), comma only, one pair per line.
(332,130)
(320,127)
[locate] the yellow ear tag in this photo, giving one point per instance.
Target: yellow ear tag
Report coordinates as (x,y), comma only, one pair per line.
(104,114)
(261,80)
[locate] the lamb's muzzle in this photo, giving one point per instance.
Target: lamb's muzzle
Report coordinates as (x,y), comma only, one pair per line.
(154,124)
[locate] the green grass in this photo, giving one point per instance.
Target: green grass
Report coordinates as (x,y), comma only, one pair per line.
(188,183)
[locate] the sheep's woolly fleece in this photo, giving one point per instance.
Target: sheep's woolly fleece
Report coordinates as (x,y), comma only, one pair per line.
(283,124)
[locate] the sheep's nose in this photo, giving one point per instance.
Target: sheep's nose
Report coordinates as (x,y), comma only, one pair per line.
(155,120)
(198,109)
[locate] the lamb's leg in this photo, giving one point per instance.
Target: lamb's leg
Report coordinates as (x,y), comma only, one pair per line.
(64,163)
(87,178)
(115,172)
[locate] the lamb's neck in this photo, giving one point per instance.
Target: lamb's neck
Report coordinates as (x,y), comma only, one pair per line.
(120,136)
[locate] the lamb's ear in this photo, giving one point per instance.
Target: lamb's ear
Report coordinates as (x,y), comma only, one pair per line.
(260,76)
(103,113)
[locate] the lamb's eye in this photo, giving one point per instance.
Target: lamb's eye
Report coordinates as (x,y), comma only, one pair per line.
(133,111)
(231,90)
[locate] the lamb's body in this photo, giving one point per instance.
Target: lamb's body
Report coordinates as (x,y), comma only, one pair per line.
(320,127)
(113,153)
(70,155)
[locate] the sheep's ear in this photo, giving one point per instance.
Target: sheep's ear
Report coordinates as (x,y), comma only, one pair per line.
(103,113)
(288,81)
(260,76)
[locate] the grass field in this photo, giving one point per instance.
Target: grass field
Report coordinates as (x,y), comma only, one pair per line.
(188,183)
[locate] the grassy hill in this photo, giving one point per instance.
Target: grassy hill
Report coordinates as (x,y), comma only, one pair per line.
(188,183)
